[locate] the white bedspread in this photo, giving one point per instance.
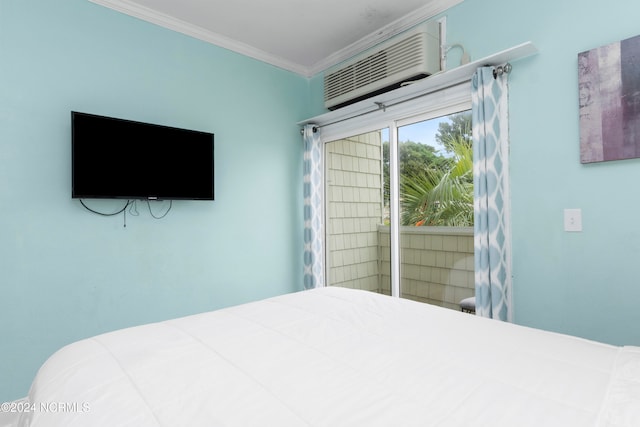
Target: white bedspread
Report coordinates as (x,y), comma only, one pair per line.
(336,357)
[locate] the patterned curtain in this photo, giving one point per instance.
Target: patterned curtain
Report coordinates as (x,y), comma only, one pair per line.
(313,188)
(491,196)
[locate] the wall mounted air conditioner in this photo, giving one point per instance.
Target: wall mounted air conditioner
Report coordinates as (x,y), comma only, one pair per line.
(409,56)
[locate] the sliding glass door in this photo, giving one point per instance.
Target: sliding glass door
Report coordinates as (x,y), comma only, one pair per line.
(399,209)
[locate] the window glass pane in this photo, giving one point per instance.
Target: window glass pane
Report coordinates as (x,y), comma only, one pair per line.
(436,210)
(355,210)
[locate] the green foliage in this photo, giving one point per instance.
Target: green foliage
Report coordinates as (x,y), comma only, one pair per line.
(457,129)
(413,158)
(441,197)
(436,190)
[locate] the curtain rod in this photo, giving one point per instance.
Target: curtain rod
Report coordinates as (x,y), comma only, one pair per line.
(497,72)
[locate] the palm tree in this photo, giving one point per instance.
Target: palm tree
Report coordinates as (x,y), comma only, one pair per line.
(442,197)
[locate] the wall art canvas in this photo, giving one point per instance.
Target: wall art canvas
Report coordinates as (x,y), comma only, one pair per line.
(609,92)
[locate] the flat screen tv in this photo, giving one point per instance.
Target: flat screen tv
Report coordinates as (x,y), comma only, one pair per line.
(123,159)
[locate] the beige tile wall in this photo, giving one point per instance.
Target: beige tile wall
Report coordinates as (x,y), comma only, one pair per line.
(354,210)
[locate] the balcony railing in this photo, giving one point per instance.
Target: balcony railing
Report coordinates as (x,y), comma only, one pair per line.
(436,264)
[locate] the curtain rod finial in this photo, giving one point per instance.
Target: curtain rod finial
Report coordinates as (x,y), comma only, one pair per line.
(314,129)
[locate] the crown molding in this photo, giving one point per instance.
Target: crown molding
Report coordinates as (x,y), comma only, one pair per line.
(136,10)
(167,21)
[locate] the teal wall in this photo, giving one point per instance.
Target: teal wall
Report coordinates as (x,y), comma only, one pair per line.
(586,283)
(65,273)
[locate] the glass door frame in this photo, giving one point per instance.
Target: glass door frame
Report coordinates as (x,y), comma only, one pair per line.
(402,113)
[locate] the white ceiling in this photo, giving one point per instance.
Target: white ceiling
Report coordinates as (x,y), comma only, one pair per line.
(303,36)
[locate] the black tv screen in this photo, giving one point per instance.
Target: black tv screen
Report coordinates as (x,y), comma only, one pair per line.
(123,159)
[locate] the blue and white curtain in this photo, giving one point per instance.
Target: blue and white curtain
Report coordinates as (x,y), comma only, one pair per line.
(491,194)
(313,188)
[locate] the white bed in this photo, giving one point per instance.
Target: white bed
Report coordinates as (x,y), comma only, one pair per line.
(335,357)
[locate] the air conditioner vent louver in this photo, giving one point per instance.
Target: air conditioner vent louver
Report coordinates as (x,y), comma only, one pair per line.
(414,55)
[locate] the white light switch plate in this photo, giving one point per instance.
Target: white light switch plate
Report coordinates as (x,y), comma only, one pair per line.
(573,220)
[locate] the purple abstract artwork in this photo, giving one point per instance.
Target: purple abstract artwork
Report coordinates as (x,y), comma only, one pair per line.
(609,96)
